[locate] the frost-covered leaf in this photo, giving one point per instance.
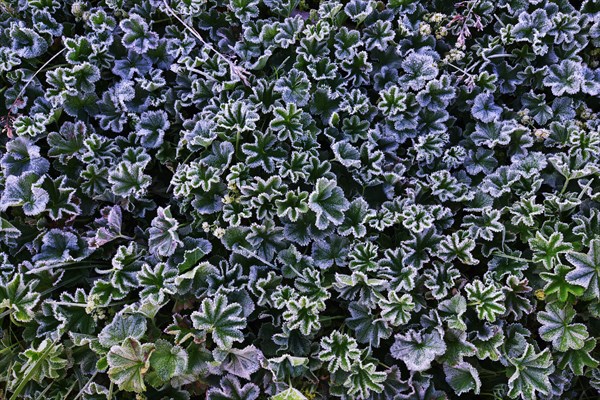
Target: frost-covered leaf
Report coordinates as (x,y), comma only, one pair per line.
(137,35)
(578,360)
(289,394)
(122,326)
(328,203)
(240,362)
(163,237)
(557,283)
(157,282)
(339,351)
(487,299)
(128,179)
(364,379)
(530,374)
(396,309)
(485,109)
(24,191)
(418,349)
(368,329)
(303,314)
(221,319)
(587,269)
(547,250)
(23,156)
(558,328)
(44,361)
(19,298)
(463,378)
(168,360)
(128,363)
(564,77)
(232,389)
(419,69)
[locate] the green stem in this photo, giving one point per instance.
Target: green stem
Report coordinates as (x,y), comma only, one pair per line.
(70,389)
(501,55)
(85,305)
(58,286)
(42,394)
(332,318)
(567,180)
(56,66)
(237,144)
(502,255)
(53,266)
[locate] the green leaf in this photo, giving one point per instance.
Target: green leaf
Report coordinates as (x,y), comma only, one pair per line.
(339,351)
(364,379)
(557,283)
(303,314)
(19,298)
(530,374)
(8,231)
(463,378)
(168,360)
(289,394)
(128,179)
(122,326)
(547,250)
(577,360)
(487,300)
(240,362)
(221,319)
(24,191)
(45,361)
(128,363)
(557,328)
(41,362)
(587,270)
(294,204)
(396,309)
(328,203)
(418,349)
(163,237)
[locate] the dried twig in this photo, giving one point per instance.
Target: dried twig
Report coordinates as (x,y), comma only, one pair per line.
(8,119)
(36,73)
(464,31)
(236,69)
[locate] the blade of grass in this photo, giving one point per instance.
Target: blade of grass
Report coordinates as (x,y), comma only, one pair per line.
(41,396)
(32,369)
(85,386)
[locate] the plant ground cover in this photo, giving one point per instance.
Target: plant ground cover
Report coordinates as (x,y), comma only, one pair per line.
(299,199)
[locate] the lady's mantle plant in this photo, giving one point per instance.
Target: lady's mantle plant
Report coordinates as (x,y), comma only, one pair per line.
(291,199)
